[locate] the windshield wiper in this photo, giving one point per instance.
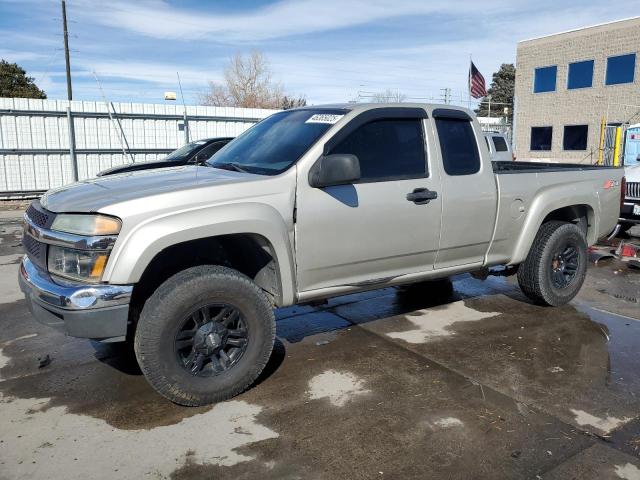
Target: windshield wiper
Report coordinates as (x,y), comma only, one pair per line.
(231,166)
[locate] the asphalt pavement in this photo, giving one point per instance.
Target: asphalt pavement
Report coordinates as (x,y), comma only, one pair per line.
(461,379)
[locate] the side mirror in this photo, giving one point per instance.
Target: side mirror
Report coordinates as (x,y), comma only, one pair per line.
(336,169)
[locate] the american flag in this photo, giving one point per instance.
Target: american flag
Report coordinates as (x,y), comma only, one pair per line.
(477,86)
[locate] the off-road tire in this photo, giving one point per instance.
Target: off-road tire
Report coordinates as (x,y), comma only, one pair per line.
(535,273)
(166,309)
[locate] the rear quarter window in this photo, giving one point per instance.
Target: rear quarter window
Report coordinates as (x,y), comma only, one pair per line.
(500,144)
(458,145)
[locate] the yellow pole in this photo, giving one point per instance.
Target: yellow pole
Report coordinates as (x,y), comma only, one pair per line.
(602,134)
(616,150)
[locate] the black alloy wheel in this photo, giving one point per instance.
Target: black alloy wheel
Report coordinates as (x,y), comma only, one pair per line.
(211,339)
(564,265)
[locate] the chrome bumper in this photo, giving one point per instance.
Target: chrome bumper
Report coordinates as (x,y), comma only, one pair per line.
(80,310)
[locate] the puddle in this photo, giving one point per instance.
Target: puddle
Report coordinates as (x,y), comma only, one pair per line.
(295,329)
(9,280)
(339,387)
(437,321)
(623,344)
(53,443)
(4,360)
(552,358)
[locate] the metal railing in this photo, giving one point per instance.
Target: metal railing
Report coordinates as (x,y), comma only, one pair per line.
(35,140)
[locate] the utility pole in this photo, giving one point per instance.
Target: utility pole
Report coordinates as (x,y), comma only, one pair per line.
(72,132)
(184,117)
(66,49)
(446,95)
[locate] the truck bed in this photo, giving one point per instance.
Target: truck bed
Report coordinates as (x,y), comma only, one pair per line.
(504,167)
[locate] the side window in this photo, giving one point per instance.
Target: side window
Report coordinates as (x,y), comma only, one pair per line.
(501,145)
(209,150)
(460,154)
(391,149)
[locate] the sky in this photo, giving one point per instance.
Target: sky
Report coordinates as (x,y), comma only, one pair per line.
(326,50)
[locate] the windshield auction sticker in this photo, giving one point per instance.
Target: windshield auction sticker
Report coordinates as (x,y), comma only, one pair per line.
(324,118)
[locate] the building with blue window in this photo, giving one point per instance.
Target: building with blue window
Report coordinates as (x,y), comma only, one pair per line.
(566,83)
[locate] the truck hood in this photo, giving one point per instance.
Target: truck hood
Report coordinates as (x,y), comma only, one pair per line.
(92,195)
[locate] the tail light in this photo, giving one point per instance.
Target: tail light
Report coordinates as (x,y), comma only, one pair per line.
(513,156)
(623,191)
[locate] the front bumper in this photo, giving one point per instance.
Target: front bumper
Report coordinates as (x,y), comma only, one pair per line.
(99,312)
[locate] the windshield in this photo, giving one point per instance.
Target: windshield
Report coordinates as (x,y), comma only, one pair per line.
(184,151)
(273,145)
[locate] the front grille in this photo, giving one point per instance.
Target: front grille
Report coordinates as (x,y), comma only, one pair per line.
(35,250)
(39,216)
(633,190)
(42,218)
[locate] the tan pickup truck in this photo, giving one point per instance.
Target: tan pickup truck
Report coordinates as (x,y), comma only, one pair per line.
(190,262)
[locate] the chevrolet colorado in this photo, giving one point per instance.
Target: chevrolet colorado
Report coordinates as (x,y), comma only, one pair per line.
(189,262)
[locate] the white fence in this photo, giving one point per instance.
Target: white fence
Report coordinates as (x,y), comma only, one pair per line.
(34,136)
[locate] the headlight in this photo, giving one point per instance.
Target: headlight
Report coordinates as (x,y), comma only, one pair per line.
(82,265)
(84,224)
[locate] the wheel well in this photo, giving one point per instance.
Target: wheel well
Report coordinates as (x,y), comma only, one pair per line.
(581,215)
(248,253)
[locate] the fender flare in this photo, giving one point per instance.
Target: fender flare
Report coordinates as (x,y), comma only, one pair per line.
(136,248)
(547,202)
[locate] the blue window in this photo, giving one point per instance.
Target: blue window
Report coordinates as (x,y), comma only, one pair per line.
(545,79)
(580,74)
(620,69)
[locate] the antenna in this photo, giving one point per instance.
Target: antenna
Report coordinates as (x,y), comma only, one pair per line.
(110,106)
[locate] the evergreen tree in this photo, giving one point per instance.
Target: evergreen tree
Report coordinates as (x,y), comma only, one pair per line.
(14,82)
(501,91)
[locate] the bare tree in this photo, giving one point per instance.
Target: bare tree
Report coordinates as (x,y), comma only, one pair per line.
(291,102)
(388,96)
(248,83)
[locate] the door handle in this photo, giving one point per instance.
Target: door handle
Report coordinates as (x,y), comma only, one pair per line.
(422,196)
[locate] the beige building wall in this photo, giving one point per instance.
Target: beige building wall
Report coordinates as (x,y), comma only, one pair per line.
(577,106)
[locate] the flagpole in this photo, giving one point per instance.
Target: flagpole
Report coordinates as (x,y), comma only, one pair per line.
(469,84)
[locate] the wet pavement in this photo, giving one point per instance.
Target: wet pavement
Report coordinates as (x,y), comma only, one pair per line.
(461,379)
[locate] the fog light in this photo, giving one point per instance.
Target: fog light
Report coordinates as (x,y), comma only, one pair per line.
(84,298)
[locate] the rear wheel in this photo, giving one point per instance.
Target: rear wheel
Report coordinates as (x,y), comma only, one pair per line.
(205,335)
(555,268)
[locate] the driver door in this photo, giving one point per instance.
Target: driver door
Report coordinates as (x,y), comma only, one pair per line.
(369,232)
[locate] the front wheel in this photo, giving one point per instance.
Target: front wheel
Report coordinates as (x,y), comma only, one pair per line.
(204,335)
(556,266)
